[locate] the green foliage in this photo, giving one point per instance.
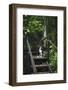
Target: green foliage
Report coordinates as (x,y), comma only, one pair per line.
(53,59)
(34,27)
(52,29)
(33,23)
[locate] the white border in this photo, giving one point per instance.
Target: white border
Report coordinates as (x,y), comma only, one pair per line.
(41,77)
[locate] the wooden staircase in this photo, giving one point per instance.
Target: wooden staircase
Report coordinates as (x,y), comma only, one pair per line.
(39,64)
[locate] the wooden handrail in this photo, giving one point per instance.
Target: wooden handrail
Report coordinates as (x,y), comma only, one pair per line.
(45,38)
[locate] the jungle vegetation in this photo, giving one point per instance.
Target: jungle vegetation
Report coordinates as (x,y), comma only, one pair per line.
(40,29)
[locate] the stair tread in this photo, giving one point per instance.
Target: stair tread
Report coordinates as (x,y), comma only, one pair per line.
(42,72)
(41,65)
(39,57)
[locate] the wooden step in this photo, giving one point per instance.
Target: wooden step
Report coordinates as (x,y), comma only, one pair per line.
(38,57)
(42,72)
(41,65)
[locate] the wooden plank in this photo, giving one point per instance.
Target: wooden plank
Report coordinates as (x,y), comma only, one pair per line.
(49,66)
(43,72)
(41,65)
(32,61)
(38,57)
